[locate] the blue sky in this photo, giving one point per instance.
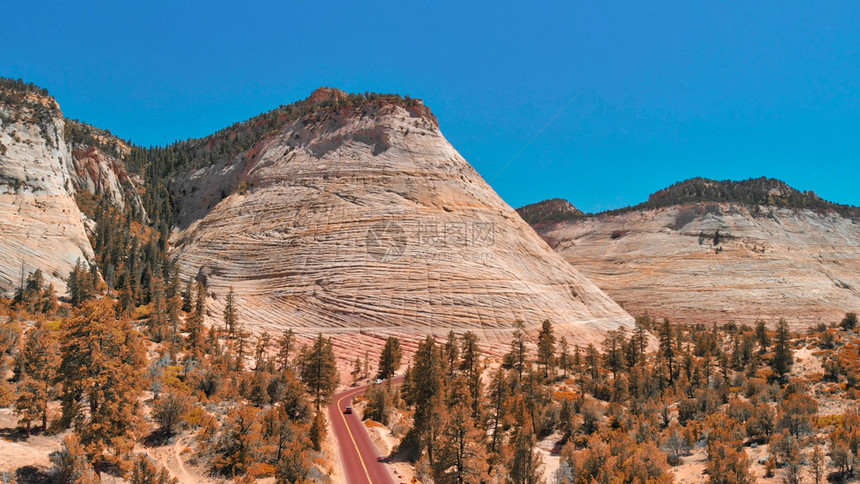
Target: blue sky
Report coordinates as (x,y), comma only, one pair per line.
(601,103)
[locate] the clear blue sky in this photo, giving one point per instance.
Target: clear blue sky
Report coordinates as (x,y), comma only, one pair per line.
(601,103)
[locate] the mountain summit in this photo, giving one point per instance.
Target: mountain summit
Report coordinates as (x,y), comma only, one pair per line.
(352,214)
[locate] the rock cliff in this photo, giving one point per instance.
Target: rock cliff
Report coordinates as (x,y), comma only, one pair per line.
(359,217)
(718,260)
(41,227)
(99,167)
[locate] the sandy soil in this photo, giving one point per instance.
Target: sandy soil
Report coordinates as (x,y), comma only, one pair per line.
(16,450)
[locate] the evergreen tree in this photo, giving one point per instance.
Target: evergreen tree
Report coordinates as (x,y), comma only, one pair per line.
(461,457)
(498,396)
(170,411)
(317,431)
(102,363)
(470,363)
(782,354)
(563,356)
(80,284)
(523,464)
(516,357)
(667,350)
(390,358)
(426,393)
(240,442)
(849,322)
(38,362)
(230,315)
(319,370)
(285,348)
(158,324)
(761,336)
(546,347)
(71,465)
(451,353)
(356,370)
(146,472)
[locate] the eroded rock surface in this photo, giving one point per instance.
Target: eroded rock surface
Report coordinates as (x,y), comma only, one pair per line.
(41,227)
(800,264)
(366,220)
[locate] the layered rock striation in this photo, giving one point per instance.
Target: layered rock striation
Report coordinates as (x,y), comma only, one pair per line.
(713,261)
(41,227)
(360,217)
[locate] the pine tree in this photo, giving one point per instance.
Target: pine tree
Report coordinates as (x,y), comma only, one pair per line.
(356,370)
(516,357)
(80,284)
(613,355)
(230,316)
(102,363)
(319,370)
(194,324)
(762,336)
(146,472)
(188,296)
(523,463)
(285,348)
(817,464)
(470,363)
(170,411)
(461,457)
(546,347)
(667,350)
(158,320)
(38,362)
(849,322)
(451,353)
(317,432)
(71,465)
(563,356)
(426,393)
(390,358)
(240,441)
(498,396)
(262,362)
(782,354)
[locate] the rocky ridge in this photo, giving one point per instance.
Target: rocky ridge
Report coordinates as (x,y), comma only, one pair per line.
(721,261)
(41,227)
(45,160)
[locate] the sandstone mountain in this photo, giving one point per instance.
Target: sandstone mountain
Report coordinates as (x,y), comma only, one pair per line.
(703,251)
(41,226)
(352,214)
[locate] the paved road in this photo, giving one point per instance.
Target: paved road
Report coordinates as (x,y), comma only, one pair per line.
(357,451)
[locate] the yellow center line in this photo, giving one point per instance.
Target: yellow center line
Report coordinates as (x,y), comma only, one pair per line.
(352,437)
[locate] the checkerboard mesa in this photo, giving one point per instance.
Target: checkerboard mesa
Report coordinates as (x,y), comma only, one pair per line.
(352,213)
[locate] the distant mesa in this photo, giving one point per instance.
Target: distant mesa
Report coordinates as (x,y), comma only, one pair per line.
(705,251)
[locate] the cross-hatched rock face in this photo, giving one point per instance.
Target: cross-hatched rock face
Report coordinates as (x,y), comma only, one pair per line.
(41,227)
(367,220)
(672,262)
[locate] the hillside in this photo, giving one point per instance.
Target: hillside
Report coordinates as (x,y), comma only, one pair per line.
(46,161)
(41,227)
(702,251)
(356,215)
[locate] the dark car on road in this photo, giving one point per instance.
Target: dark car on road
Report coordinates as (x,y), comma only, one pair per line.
(347,410)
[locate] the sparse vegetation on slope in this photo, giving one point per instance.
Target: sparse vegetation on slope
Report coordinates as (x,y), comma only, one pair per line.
(550,211)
